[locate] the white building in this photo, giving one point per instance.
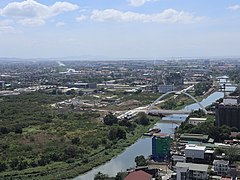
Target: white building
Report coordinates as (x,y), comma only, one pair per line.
(195,152)
(165,88)
(221,167)
(190,171)
(177,158)
(196,121)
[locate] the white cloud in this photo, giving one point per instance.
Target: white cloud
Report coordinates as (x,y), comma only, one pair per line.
(166,16)
(6,26)
(30,12)
(32,22)
(81,18)
(139,2)
(234,7)
(7,29)
(60,24)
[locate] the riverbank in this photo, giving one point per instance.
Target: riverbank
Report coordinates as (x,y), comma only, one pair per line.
(106,154)
(63,170)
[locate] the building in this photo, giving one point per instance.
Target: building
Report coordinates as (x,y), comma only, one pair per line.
(193,151)
(194,137)
(196,121)
(165,88)
(231,100)
(161,145)
(84,85)
(177,158)
(2,84)
(221,167)
(228,114)
(174,78)
(191,171)
(138,175)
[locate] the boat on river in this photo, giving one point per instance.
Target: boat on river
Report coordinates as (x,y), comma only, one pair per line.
(152,131)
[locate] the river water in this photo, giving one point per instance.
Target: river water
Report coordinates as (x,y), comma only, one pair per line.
(143,146)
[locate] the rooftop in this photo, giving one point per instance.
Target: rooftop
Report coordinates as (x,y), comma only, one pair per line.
(193,167)
(139,175)
(195,147)
(197,119)
(194,136)
(221,162)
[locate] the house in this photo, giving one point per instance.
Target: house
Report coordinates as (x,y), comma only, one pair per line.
(138,175)
(221,167)
(191,171)
(194,152)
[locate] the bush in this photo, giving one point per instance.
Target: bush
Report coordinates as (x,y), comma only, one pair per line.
(76,140)
(110,119)
(117,133)
(3,166)
(140,161)
(143,120)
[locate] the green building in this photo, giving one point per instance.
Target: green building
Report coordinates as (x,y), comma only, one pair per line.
(161,145)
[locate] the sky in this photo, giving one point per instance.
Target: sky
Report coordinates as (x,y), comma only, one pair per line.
(118,29)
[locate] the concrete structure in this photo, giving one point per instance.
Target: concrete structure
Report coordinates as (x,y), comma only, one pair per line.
(196,121)
(191,171)
(178,93)
(161,145)
(194,152)
(221,167)
(228,115)
(165,88)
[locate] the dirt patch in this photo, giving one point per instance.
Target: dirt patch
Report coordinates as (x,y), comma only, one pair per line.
(129,104)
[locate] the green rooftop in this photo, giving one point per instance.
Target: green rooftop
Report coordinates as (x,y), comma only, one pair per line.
(197,137)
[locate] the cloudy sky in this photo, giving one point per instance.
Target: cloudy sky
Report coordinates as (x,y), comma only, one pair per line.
(120,28)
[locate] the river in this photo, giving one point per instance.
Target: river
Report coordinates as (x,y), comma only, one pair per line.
(143,146)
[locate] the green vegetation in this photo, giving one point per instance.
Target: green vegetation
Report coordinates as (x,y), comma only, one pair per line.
(202,87)
(39,142)
(119,176)
(218,133)
(140,161)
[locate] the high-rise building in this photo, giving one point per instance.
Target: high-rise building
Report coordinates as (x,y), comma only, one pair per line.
(161,144)
(228,113)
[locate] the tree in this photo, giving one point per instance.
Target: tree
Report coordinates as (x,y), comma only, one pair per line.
(110,119)
(71,92)
(71,151)
(117,133)
(143,120)
(76,140)
(18,130)
(120,176)
(238,136)
(80,93)
(4,130)
(140,161)
(3,166)
(100,176)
